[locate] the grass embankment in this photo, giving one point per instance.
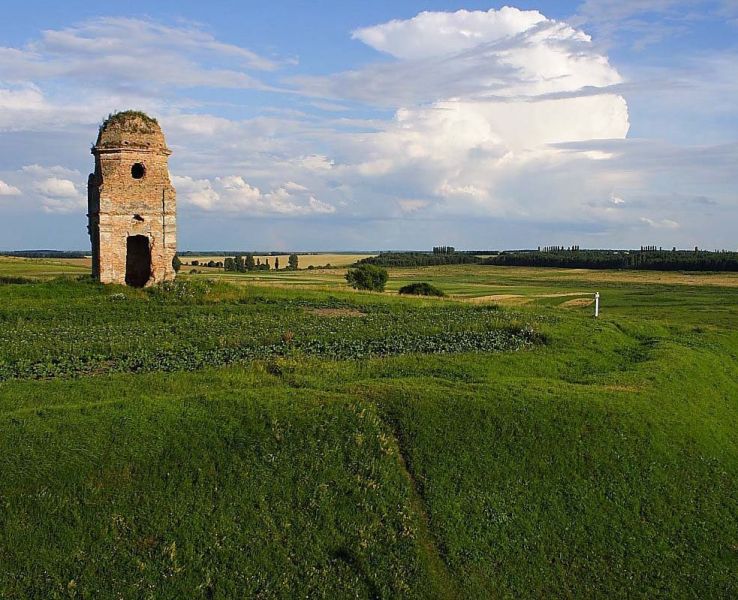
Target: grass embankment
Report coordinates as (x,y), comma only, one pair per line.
(603,463)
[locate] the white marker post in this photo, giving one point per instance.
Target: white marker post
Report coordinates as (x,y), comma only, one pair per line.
(597,304)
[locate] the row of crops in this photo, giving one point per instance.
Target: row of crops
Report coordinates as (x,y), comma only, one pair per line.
(100,330)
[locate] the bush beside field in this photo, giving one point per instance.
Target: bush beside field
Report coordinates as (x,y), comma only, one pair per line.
(600,462)
(421,289)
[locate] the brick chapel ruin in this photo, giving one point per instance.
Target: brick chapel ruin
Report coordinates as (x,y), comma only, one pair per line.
(131,203)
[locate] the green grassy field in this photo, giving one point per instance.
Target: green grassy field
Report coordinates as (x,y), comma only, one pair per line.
(280,436)
(43,268)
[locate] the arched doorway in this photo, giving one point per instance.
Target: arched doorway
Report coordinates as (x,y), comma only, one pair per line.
(138,261)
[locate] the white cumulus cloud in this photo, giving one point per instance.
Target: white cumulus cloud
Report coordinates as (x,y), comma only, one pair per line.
(53,187)
(8,190)
(506,53)
(57,189)
(439,33)
(480,98)
(232,194)
(469,118)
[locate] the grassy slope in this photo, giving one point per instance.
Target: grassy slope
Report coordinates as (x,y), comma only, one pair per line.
(565,487)
(220,483)
(603,464)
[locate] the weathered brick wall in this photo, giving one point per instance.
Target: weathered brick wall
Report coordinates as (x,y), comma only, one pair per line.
(121,206)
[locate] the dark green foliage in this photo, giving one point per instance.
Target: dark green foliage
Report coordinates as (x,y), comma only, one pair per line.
(658,260)
(45,254)
(293,262)
(421,289)
(240,265)
(420,259)
(367,277)
(176,263)
(10,279)
(235,264)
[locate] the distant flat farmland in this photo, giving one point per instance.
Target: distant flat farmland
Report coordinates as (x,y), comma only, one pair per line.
(305,260)
(11,266)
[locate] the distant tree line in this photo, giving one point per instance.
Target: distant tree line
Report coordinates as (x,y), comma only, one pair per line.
(210,263)
(420,259)
(649,259)
(187,253)
(558,249)
(240,264)
(46,254)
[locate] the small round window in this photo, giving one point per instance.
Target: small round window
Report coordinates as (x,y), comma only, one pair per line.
(138,171)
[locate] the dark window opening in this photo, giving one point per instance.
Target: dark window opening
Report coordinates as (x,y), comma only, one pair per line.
(138,261)
(138,171)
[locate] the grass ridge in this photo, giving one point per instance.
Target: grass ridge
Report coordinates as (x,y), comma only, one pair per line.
(438,569)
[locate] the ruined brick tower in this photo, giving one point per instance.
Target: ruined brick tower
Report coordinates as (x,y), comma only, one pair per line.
(131,203)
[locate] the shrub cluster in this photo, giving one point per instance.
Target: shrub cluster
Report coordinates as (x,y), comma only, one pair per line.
(11,279)
(420,259)
(421,289)
(240,264)
(367,277)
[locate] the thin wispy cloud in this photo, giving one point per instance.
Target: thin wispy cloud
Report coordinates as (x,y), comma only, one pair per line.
(640,24)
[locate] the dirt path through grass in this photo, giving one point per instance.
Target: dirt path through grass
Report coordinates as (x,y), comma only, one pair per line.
(442,580)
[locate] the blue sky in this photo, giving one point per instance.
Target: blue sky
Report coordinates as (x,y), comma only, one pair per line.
(356,125)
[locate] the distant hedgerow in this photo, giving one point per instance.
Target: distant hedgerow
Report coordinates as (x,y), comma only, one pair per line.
(9,279)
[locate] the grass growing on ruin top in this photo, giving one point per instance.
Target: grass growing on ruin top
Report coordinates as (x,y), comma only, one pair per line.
(127,117)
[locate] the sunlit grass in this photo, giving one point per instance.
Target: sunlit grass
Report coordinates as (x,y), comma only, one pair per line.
(602,461)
